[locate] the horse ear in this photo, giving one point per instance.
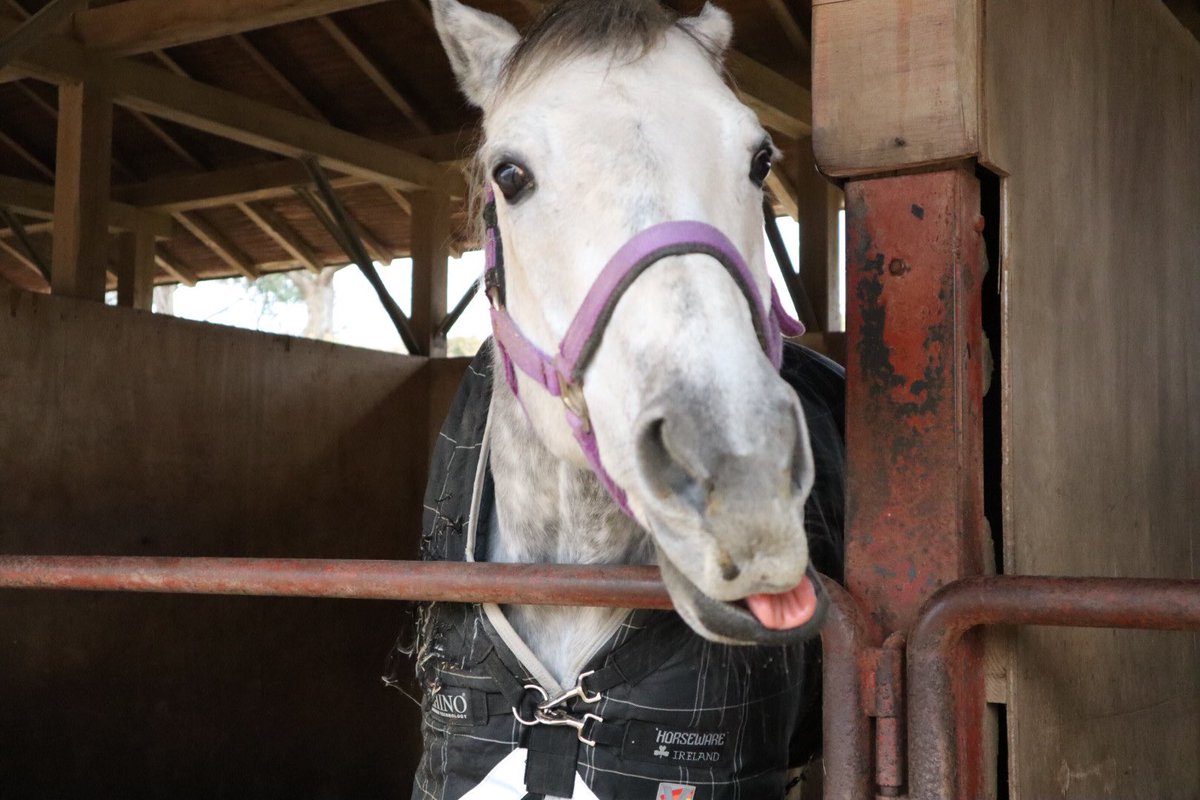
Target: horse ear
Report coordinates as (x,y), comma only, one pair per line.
(477,44)
(713,26)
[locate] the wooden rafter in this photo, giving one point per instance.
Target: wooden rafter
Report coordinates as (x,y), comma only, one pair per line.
(139,26)
(271,223)
(369,68)
(219,243)
(44,22)
(29,158)
(227,114)
(37,200)
(791,28)
(22,258)
(172,267)
(282,81)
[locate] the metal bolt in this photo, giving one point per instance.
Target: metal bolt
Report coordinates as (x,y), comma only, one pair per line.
(898,267)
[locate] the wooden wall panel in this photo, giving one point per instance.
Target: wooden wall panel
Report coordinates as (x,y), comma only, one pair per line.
(123,432)
(895,84)
(1093,111)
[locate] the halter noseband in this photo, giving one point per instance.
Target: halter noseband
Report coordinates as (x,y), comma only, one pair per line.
(562,374)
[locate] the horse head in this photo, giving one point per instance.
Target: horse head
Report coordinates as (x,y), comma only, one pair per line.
(609,119)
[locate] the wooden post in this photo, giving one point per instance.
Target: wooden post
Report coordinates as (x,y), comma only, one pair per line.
(135,269)
(81,192)
(818,202)
(430,233)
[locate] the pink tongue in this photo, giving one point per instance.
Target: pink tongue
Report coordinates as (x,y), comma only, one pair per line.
(785,610)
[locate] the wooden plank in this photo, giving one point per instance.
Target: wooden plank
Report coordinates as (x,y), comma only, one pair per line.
(139,26)
(173,267)
(791,29)
(134,252)
(282,81)
(219,243)
(780,103)
(270,180)
(48,18)
(222,113)
(81,193)
(430,255)
(37,200)
(275,226)
(374,74)
(818,204)
(1102,315)
(895,85)
(131,432)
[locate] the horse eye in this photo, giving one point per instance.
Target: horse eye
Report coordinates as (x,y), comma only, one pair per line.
(513,180)
(760,165)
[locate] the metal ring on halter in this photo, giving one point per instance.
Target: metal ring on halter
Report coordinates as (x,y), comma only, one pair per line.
(528,722)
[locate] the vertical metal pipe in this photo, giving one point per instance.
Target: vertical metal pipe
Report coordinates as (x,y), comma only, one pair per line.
(933,646)
(846,729)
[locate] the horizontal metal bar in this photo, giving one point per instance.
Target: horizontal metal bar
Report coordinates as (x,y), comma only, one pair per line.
(534,584)
(1136,603)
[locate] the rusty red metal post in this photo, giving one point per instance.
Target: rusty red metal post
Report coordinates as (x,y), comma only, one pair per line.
(914,401)
(1148,604)
(545,584)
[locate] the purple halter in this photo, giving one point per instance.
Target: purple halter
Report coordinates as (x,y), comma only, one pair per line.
(562,374)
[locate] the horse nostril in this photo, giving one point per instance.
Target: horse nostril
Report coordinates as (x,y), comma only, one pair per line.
(729,570)
(665,472)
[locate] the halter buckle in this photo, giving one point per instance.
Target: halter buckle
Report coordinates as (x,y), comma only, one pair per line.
(571,394)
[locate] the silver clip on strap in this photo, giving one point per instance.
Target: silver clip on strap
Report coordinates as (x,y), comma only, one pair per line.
(577,691)
(548,714)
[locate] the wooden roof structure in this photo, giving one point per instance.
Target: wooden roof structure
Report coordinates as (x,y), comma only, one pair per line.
(212,104)
(156,141)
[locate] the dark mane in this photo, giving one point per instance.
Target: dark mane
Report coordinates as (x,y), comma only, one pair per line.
(570,28)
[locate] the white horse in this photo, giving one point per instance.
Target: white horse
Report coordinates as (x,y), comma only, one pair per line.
(677,442)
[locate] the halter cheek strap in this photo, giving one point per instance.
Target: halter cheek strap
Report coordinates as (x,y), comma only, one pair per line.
(562,374)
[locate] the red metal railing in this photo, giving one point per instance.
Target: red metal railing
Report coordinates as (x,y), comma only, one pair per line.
(1144,604)
(851,695)
(536,584)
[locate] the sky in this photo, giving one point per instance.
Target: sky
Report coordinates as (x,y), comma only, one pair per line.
(359,319)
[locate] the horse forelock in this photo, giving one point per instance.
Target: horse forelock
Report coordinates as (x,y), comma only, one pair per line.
(570,28)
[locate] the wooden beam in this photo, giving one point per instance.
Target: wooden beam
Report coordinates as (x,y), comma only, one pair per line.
(430,240)
(22,258)
(219,243)
(37,200)
(819,202)
(399,199)
(44,22)
(267,181)
(81,193)
(135,270)
(290,89)
(791,29)
(374,74)
(784,193)
(174,268)
(222,113)
(780,104)
(139,26)
(275,226)
(28,157)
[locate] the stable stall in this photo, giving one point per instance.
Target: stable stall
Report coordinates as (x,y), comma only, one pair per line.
(1021,187)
